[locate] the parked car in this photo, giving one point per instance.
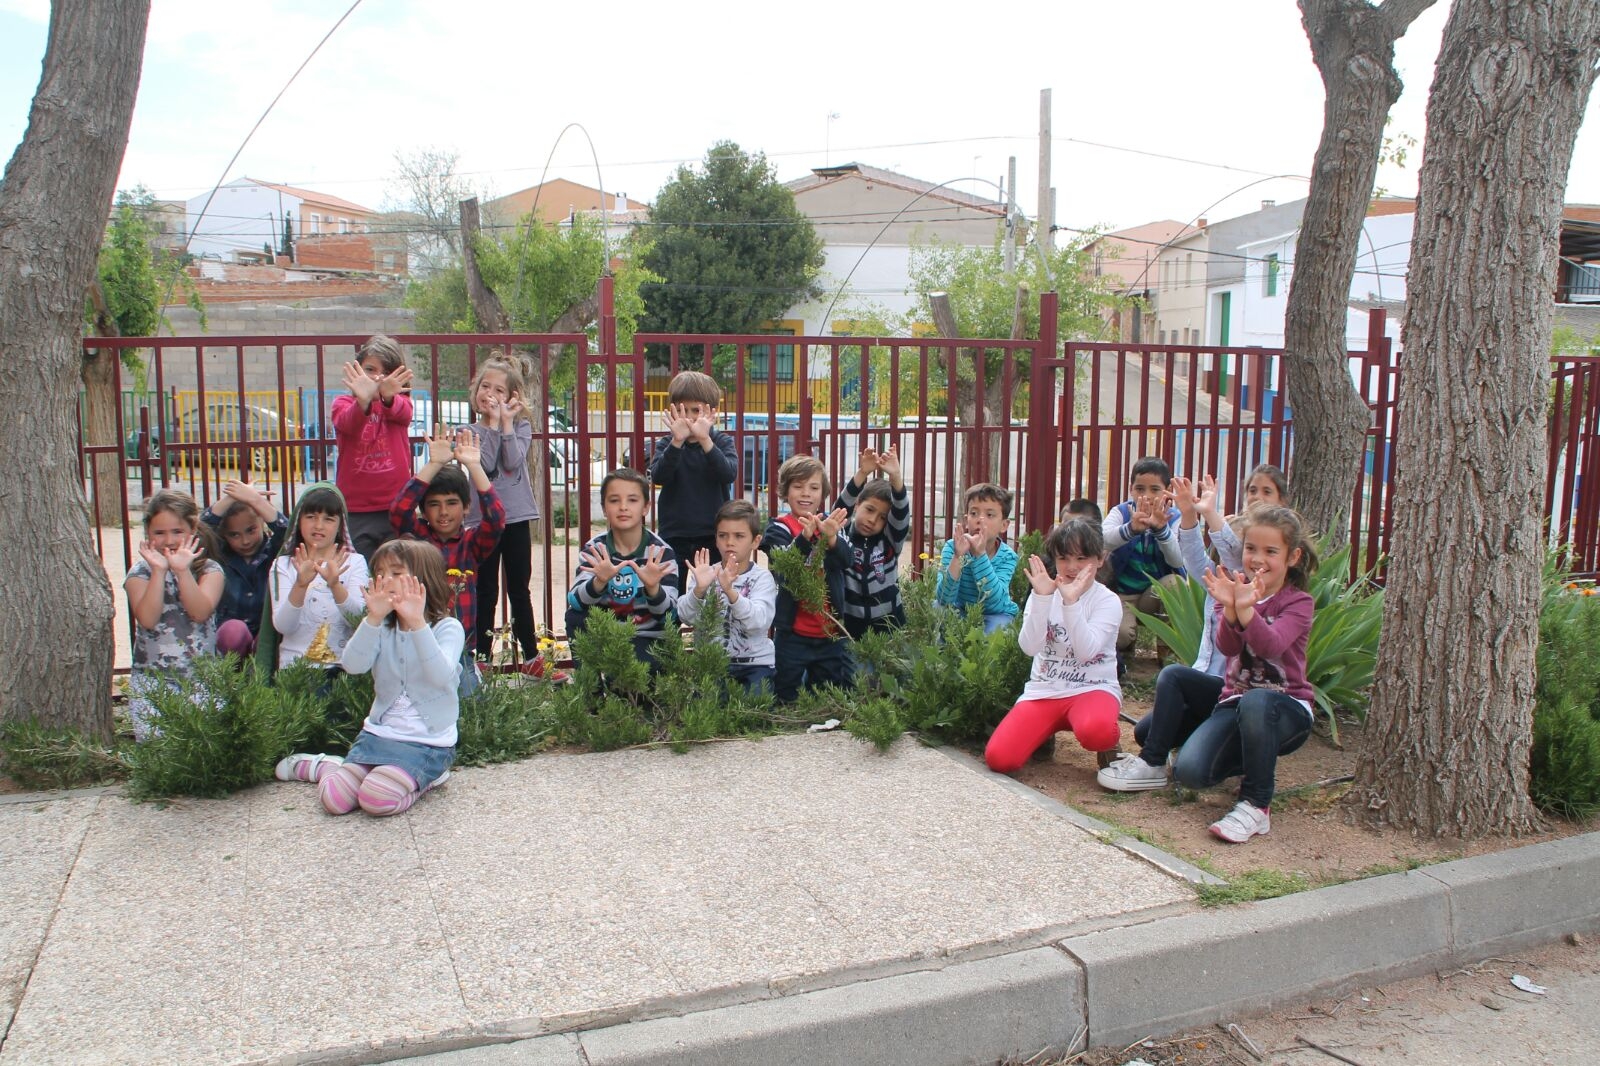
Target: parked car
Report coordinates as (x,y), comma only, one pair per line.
(180,441)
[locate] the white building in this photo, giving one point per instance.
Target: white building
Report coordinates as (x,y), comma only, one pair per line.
(244,220)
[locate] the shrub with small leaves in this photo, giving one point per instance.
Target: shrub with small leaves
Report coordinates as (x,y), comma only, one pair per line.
(1564,766)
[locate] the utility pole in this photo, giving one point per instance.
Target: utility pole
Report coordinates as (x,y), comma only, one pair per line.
(1047,195)
(1011,215)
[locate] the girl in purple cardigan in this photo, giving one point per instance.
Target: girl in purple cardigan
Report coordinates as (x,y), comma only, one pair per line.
(1263,621)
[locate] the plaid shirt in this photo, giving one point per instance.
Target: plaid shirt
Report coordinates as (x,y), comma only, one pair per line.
(465,553)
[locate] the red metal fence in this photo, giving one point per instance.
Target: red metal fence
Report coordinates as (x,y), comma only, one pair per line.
(1050,420)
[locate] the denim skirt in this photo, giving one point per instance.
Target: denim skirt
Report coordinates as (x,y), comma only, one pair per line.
(423,762)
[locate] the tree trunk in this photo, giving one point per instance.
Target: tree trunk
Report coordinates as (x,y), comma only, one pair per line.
(56,641)
(100,414)
(1352,43)
(1452,707)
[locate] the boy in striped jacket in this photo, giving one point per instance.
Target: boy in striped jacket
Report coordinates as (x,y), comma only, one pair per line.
(880,518)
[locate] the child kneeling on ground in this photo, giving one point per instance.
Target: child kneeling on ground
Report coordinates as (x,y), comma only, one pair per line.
(1069,626)
(1264,709)
(747,593)
(412,643)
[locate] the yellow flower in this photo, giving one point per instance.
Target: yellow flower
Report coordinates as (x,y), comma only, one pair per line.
(924,557)
(453,572)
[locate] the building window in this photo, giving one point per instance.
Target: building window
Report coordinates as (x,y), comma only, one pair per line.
(776,357)
(1188,268)
(1269,275)
(1161,336)
(344,225)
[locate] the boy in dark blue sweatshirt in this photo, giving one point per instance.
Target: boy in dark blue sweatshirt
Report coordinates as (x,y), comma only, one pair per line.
(694,465)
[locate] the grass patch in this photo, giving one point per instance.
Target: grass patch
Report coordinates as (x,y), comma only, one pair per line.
(1253,885)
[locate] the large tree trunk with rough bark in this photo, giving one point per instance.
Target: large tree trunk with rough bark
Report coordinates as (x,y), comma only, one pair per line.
(1452,709)
(1352,43)
(55,631)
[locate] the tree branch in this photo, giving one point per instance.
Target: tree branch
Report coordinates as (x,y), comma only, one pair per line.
(486,306)
(1398,15)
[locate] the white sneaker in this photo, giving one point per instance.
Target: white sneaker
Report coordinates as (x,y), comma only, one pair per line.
(1246,820)
(438,781)
(285,770)
(1132,774)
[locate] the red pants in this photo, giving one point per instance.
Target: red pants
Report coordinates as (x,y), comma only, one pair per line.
(1092,717)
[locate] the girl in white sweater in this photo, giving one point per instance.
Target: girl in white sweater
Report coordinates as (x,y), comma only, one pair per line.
(411,642)
(1069,626)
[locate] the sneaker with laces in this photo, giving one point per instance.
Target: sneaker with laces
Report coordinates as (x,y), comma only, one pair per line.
(289,767)
(1246,820)
(1130,773)
(1103,759)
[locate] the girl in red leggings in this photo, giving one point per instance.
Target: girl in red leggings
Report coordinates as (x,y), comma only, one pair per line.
(1069,626)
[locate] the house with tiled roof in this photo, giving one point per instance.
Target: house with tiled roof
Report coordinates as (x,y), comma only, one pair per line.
(869,219)
(245,222)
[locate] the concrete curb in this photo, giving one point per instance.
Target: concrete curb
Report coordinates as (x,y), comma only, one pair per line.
(1117,986)
(1012,1006)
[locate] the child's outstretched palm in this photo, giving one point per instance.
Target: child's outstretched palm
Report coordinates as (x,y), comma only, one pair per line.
(380,599)
(598,564)
(1206,504)
(654,568)
(305,564)
(153,557)
(703,576)
(441,446)
(1220,584)
(1072,588)
(467,449)
(889,462)
(410,600)
(393,383)
(361,387)
(725,575)
(183,556)
(331,570)
(1039,576)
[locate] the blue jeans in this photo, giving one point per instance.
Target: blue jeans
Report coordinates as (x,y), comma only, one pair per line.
(992,622)
(1215,742)
(467,684)
(753,677)
(810,661)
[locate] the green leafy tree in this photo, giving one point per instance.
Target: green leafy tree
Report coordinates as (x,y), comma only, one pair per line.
(546,279)
(730,248)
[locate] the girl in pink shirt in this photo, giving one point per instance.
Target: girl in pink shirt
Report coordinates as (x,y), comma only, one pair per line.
(373,427)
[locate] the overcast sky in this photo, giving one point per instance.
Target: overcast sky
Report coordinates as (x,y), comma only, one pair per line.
(1162,108)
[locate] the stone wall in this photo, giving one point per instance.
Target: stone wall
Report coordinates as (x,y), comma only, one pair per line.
(179,366)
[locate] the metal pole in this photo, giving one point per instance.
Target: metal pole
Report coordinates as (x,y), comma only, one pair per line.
(1047,210)
(1011,215)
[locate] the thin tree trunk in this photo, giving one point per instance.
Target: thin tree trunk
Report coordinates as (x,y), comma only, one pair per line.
(55,632)
(100,414)
(1352,43)
(1452,707)
(964,394)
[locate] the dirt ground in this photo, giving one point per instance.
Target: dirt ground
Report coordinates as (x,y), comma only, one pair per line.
(1310,834)
(1472,1016)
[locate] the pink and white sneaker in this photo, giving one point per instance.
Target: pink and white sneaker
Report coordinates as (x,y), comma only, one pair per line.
(1246,820)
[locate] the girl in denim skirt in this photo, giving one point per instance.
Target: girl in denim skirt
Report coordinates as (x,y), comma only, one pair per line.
(412,643)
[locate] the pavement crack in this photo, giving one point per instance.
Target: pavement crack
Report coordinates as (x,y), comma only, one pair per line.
(55,909)
(438,918)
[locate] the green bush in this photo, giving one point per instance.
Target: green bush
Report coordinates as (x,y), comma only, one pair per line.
(1564,766)
(223,728)
(938,675)
(35,756)
(1030,543)
(616,701)
(509,717)
(1184,605)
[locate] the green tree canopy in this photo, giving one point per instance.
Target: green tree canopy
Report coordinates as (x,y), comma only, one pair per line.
(729,246)
(135,277)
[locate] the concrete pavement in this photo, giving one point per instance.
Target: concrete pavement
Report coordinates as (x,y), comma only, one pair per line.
(794,900)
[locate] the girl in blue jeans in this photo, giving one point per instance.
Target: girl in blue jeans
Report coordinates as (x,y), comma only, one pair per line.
(1261,709)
